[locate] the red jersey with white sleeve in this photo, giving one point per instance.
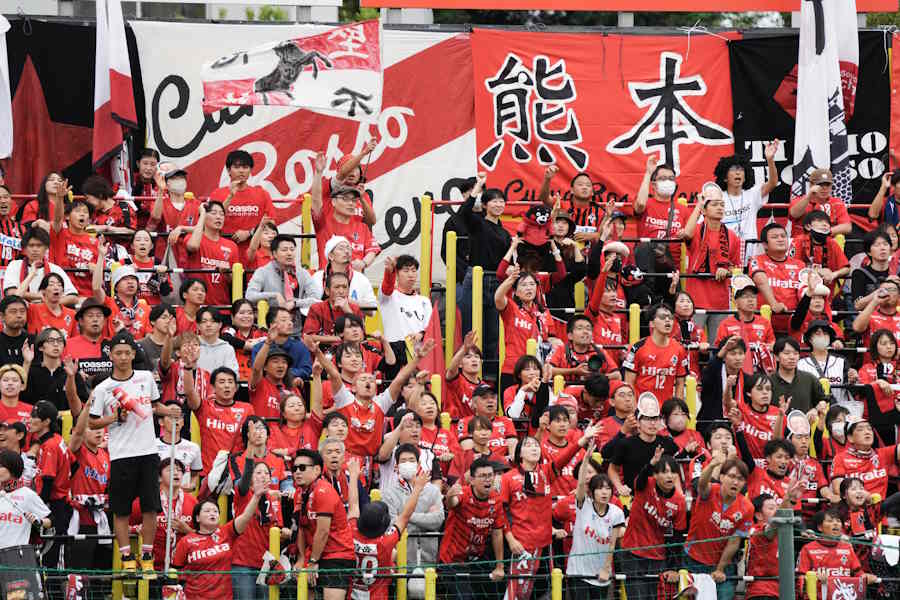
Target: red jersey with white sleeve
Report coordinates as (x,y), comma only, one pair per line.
(373,558)
(71,251)
(871,467)
(458,400)
(173,217)
(273,461)
(868,374)
(439,441)
(758,429)
(182,509)
(469,525)
(246,209)
(653,515)
(366,422)
(90,479)
(835,208)
(321,500)
(710,520)
(837,558)
(249,548)
(220,427)
(135,318)
(564,482)
(783,277)
(762,561)
(656,367)
(520,325)
(653,221)
(215,254)
(53,460)
(707,252)
(206,553)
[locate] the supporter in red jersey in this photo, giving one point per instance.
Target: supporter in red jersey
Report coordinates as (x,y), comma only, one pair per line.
(435,438)
(243,335)
(661,216)
(462,377)
(675,416)
(479,432)
(88,494)
(860,513)
(527,493)
(556,442)
(319,323)
(712,248)
(881,401)
(819,198)
(863,461)
(564,508)
(153,281)
(350,172)
(255,441)
(259,252)
(657,363)
(181,506)
(829,557)
(193,294)
(209,250)
(12,231)
(817,249)
(719,511)
(808,469)
(881,311)
(658,516)
(762,551)
(375,538)
(111,215)
(41,208)
(12,382)
(757,418)
(336,469)
(623,402)
(774,478)
(198,556)
(248,549)
(523,319)
(52,478)
(719,437)
(377,354)
(177,213)
(177,356)
(270,379)
(220,418)
(145,183)
(609,326)
(246,204)
(755,330)
(86,348)
(581,357)
(297,428)
(503,437)
(688,333)
(128,312)
(776,275)
(324,539)
(50,312)
(73,247)
(474,515)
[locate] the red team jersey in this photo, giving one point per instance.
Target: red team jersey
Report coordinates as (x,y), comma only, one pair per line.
(321,500)
(40,317)
(518,327)
(835,208)
(183,322)
(871,467)
(469,525)
(459,396)
(653,221)
(355,231)
(756,332)
(135,318)
(215,254)
(293,438)
(710,521)
(246,209)
(762,561)
(20,413)
(652,516)
(758,429)
(810,469)
(702,248)
(783,277)
(502,428)
(249,548)
(656,367)
(837,558)
(879,320)
(203,553)
(565,481)
(831,255)
(608,331)
(53,460)
(266,396)
(220,427)
(90,478)
(71,251)
(762,482)
(183,509)
(373,557)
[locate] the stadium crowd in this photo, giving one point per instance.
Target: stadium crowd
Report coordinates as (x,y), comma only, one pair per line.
(621,470)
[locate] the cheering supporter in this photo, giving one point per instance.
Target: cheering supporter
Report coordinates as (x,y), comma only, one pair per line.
(712,248)
(214,351)
(280,321)
(627,454)
(660,217)
(773,476)
(792,387)
(881,311)
(814,306)
(834,421)
(248,549)
(37,213)
(503,438)
(319,324)
(186,452)
(12,408)
(562,294)
(820,336)
(530,395)
(657,363)
(50,311)
(243,334)
(339,255)
(153,282)
(220,417)
(110,215)
(282,284)
(208,249)
(743,197)
(859,515)
(818,198)
(722,379)
(296,428)
(817,249)
(23,501)
(829,556)
(884,207)
(14,336)
(762,551)
(162,325)
(754,329)
(478,437)
(246,204)
(433,438)
(145,183)
(403,312)
(599,525)
(867,278)
(178,508)
(87,348)
(594,403)
(335,468)
(658,514)
(776,275)
(31,268)
(687,332)
(806,468)
(719,511)
(324,538)
(407,430)
(675,415)
(622,400)
(882,403)
(193,295)
(860,459)
(269,380)
(462,377)
(377,355)
(52,378)
(14,436)
(586,213)
(581,357)
(559,438)
(127,311)
(608,325)
(259,251)
(52,479)
(757,416)
(172,209)
(210,549)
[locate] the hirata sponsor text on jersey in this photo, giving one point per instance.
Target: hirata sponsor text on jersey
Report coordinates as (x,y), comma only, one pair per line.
(784,283)
(11,517)
(208,552)
(757,433)
(222,426)
(871,475)
(651,511)
(480,523)
(654,371)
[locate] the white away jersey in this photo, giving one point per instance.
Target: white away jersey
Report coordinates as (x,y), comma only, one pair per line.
(136,436)
(15,529)
(591,537)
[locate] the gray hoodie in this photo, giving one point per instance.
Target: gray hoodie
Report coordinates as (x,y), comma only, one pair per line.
(427,517)
(215,355)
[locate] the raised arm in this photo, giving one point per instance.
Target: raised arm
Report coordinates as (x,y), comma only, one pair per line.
(640,202)
(315,192)
(59,210)
(772,182)
(193,243)
(581,487)
(189,361)
(242,521)
(77,437)
(703,485)
(512,275)
(259,362)
(469,342)
(256,240)
(544,193)
(798,209)
(691,226)
(408,369)
(156,211)
(97,279)
(861,322)
(72,397)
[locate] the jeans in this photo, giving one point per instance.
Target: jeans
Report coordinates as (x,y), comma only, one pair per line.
(243,584)
(724,590)
(490,319)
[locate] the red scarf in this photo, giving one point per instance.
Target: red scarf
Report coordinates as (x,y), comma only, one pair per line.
(712,256)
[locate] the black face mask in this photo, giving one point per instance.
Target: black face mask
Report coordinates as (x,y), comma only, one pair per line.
(818,237)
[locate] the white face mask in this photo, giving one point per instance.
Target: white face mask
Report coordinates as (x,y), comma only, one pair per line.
(177,186)
(407,470)
(665,187)
(837,429)
(819,342)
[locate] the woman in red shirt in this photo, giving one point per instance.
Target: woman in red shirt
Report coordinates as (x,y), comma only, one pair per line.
(297,429)
(879,373)
(243,335)
(41,208)
(688,333)
(152,286)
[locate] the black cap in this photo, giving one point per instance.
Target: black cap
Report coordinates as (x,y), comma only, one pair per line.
(276,351)
(483,389)
(19,426)
(818,324)
(92,303)
(123,337)
(45,409)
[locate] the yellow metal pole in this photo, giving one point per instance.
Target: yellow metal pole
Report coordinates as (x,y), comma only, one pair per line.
(559,384)
(195,429)
(306,227)
(112,269)
(436,384)
(66,416)
(426,245)
(477,299)
(223,509)
(430,584)
(634,323)
(375,495)
(766,311)
(579,296)
(401,566)
(450,300)
(811,582)
(690,397)
(275,550)
(531,347)
(445,421)
(117,569)
(556,578)
(303,585)
(143,584)
(262,309)
(237,281)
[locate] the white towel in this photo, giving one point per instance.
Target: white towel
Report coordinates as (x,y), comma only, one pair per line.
(704,586)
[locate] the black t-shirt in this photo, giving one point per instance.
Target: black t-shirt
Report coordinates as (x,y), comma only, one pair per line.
(11,348)
(866,280)
(632,453)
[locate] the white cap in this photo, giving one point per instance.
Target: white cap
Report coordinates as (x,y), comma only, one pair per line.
(121,273)
(617,247)
(332,242)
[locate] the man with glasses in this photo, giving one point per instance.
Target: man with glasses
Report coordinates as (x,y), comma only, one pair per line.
(324,539)
(819,198)
(50,379)
(657,363)
(659,216)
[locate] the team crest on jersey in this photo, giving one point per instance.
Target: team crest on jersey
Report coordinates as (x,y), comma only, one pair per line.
(843,559)
(226,252)
(674,360)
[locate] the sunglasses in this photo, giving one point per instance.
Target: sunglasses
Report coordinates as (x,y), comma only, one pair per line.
(302,467)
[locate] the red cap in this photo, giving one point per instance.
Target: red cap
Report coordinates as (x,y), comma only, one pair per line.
(343,161)
(567,400)
(615,384)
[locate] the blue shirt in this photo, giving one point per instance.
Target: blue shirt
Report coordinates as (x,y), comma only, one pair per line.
(301,361)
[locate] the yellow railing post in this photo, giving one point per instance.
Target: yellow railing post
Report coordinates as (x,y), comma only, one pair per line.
(690,397)
(826,385)
(195,429)
(237,281)
(634,323)
(275,550)
(66,417)
(306,227)
(734,273)
(437,382)
(766,311)
(426,216)
(531,347)
(401,566)
(812,584)
(223,509)
(112,269)
(445,421)
(262,309)
(559,384)
(375,495)
(303,585)
(450,300)
(579,296)
(430,584)
(556,578)
(477,300)
(143,584)
(682,579)
(117,569)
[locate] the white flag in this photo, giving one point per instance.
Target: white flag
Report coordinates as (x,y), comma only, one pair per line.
(848,53)
(820,133)
(6,122)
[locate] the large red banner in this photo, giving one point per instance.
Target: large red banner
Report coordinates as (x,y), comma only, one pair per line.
(601,104)
(626,5)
